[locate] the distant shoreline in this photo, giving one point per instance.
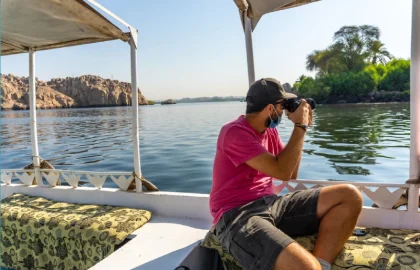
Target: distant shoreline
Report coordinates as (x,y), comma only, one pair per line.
(72,107)
(114,106)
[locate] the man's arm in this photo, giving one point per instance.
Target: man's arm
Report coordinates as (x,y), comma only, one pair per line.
(296,171)
(285,165)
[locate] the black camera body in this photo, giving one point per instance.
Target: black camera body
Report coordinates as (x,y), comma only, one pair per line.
(291,104)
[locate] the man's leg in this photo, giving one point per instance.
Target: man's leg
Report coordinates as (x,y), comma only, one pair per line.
(250,235)
(338,209)
(330,211)
(295,257)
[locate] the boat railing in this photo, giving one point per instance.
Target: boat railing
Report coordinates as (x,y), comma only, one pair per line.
(383,195)
(72,178)
(393,205)
(383,212)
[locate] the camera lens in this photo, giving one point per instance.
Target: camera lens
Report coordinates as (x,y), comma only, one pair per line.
(311,102)
(292,104)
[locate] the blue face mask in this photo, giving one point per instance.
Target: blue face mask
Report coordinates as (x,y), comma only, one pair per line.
(274,124)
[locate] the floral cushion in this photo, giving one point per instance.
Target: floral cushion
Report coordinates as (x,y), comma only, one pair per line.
(379,249)
(42,234)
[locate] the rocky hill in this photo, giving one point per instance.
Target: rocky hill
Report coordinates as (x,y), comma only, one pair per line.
(83,91)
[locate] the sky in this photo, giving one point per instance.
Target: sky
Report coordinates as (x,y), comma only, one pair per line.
(190,48)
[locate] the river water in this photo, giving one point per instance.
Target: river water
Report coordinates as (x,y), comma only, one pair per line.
(366,142)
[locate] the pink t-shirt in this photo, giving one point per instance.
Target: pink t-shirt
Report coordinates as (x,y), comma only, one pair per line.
(234,182)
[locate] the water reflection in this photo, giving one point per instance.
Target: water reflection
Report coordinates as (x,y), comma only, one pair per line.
(70,137)
(352,136)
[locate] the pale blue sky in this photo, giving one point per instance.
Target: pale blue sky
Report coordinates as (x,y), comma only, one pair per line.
(196,48)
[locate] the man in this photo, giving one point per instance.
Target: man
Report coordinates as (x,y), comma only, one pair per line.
(257,226)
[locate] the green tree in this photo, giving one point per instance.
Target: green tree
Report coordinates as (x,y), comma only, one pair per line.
(354,65)
(378,53)
(326,61)
(397,76)
(375,72)
(353,49)
(313,88)
(350,41)
(350,83)
(298,83)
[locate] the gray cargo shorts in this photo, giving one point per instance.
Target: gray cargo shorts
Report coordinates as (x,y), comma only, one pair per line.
(257,232)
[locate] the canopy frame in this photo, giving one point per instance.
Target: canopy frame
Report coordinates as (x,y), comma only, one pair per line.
(249,49)
(414,178)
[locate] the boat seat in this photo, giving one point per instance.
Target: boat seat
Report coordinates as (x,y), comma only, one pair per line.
(378,249)
(45,234)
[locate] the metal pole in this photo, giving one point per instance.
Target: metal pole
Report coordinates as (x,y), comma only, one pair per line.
(415,108)
(249,49)
(32,107)
(135,113)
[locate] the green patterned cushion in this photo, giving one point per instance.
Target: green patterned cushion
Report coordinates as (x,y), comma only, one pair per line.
(211,241)
(379,249)
(38,233)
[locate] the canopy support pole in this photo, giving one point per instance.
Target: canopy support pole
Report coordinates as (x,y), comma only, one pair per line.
(249,49)
(135,112)
(32,107)
(415,110)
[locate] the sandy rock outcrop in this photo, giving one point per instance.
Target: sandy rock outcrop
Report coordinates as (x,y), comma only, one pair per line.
(15,94)
(83,91)
(91,90)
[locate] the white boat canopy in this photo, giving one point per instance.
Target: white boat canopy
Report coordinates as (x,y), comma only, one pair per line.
(251,12)
(255,9)
(34,25)
(27,24)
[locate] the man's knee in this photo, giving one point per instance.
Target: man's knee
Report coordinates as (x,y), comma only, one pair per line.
(352,195)
(343,195)
(295,257)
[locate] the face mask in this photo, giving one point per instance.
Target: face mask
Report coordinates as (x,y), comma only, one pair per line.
(274,124)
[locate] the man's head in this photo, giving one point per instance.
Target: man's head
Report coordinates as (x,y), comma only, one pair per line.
(264,98)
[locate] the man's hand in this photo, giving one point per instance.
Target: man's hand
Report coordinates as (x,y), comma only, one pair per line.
(302,115)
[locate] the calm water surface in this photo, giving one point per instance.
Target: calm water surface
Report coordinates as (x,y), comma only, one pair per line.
(177,142)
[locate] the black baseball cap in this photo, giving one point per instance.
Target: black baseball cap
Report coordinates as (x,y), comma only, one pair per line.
(263,92)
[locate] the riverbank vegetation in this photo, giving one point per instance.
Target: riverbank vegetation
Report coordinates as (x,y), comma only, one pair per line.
(357,67)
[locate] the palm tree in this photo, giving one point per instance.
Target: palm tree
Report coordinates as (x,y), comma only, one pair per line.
(364,33)
(351,41)
(346,33)
(312,60)
(354,48)
(326,61)
(378,53)
(301,78)
(369,33)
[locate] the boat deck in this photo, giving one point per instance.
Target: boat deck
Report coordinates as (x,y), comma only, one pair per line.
(162,243)
(180,221)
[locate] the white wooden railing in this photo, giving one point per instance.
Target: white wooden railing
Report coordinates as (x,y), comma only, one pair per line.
(384,195)
(73,178)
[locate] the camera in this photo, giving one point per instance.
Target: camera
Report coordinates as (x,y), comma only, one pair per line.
(292,104)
